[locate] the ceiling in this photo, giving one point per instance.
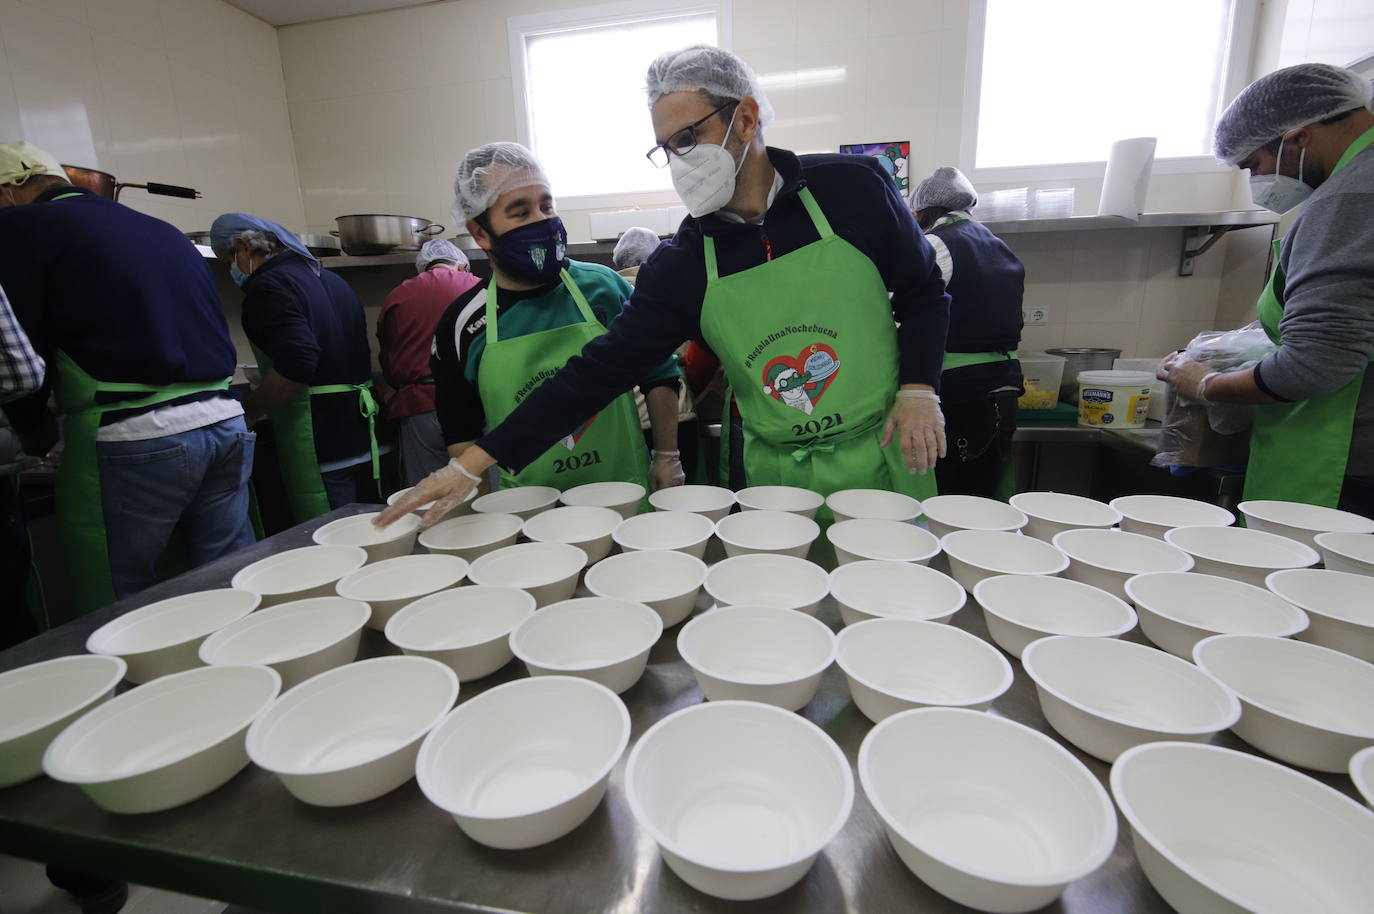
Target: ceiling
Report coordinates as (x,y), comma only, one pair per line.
(291,12)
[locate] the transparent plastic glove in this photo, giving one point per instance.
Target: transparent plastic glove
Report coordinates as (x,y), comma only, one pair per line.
(666,470)
(919,427)
(1188,377)
(448,487)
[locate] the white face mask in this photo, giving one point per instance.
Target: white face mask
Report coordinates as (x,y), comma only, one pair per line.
(704,176)
(1280,193)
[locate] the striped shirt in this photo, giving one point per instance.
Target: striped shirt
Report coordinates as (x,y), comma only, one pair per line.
(21,369)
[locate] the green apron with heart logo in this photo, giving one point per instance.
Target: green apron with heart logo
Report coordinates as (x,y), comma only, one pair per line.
(1298,451)
(810,349)
(608,447)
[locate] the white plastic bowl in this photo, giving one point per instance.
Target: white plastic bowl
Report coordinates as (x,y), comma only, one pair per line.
(389,585)
(740,796)
(1301,522)
(352,734)
(947,513)
(978,554)
(525,762)
(379,544)
(419,512)
(886,540)
(986,811)
(1051,513)
(298,640)
(1217,830)
(1178,610)
(586,527)
(299,574)
(780,498)
(877,504)
(1339,606)
(1302,704)
(1105,695)
(1362,773)
(523,501)
(467,629)
(894,665)
(164,637)
(1155,515)
(1107,559)
(1020,608)
(757,653)
(622,497)
(473,535)
(1239,552)
(682,531)
(1352,552)
(606,641)
(165,743)
(547,570)
(712,501)
(666,581)
(870,589)
(768,580)
(774,532)
(38,701)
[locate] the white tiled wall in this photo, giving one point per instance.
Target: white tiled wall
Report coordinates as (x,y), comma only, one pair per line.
(184,92)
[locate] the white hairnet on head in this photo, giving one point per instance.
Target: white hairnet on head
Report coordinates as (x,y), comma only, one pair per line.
(701,66)
(634,247)
(946,188)
(1285,100)
(489,171)
(437,250)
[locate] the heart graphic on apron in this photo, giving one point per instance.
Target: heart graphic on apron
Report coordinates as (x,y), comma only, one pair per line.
(570,441)
(800,382)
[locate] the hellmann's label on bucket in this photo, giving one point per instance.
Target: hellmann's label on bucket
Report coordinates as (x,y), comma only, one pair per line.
(1119,407)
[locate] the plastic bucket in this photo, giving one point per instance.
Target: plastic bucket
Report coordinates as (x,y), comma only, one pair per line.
(1114,399)
(1041,374)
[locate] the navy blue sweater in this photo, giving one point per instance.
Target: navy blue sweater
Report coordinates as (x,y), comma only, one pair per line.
(314,331)
(125,295)
(863,207)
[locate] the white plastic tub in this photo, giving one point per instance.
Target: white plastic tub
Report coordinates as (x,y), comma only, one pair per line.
(466,629)
(878,504)
(1240,553)
(523,501)
(1019,609)
(773,532)
(1107,559)
(683,531)
(978,554)
(780,498)
(710,781)
(379,544)
(713,502)
(38,701)
(548,571)
(1339,605)
(586,527)
(666,581)
(1051,513)
(622,497)
(525,762)
(472,536)
(606,641)
(757,653)
(768,580)
(299,574)
(1301,522)
(885,540)
(1155,515)
(165,743)
(388,585)
(1352,552)
(1105,695)
(1114,399)
(165,637)
(298,640)
(1000,818)
(1178,610)
(872,589)
(947,513)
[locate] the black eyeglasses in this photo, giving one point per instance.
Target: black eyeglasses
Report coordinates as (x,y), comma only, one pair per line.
(684,140)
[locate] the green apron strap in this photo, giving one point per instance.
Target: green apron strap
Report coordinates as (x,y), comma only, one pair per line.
(296,457)
(709,254)
(813,209)
(368,408)
(955,360)
(1361,143)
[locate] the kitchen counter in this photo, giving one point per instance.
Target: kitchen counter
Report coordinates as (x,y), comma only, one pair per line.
(251,843)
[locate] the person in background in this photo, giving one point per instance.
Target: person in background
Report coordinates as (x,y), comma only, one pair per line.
(21,373)
(792,271)
(632,249)
(138,352)
(502,340)
(981,380)
(405,340)
(1306,136)
(310,335)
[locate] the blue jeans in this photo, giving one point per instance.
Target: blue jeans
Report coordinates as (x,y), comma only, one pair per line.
(196,482)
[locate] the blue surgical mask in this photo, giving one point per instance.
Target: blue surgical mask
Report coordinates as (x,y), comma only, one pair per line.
(1280,193)
(535,252)
(238,276)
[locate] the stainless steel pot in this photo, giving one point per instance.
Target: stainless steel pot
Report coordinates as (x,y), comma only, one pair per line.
(1081,358)
(368,234)
(321,245)
(105,185)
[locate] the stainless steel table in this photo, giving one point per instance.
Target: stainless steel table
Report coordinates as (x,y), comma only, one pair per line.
(251,843)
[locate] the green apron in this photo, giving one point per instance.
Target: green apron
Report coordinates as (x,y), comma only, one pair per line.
(81,519)
(1298,451)
(295,439)
(810,349)
(607,447)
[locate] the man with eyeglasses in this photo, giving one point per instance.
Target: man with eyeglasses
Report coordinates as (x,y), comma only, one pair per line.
(807,276)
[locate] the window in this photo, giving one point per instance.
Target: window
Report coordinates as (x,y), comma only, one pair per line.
(579,85)
(1055,82)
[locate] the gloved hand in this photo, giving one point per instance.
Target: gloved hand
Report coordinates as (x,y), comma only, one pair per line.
(920,426)
(666,470)
(448,487)
(1188,376)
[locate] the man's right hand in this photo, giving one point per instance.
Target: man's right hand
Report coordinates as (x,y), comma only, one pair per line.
(448,487)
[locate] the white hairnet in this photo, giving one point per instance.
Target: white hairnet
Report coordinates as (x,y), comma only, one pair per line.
(21,160)
(1285,100)
(436,250)
(634,247)
(489,171)
(701,66)
(946,188)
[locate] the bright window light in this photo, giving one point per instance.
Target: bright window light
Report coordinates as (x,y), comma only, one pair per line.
(1063,79)
(589,116)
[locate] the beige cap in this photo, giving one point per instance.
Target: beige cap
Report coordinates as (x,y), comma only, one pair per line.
(22,160)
